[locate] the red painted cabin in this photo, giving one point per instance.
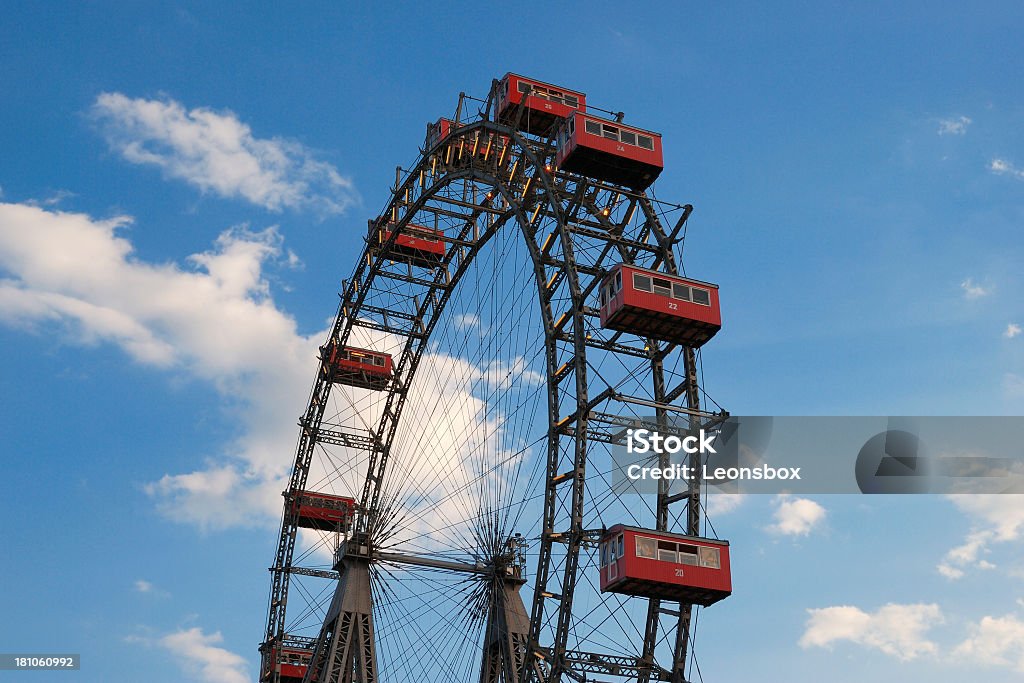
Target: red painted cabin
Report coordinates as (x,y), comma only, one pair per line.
(653,304)
(609,151)
(291,661)
(356,367)
(659,564)
(546,104)
(438,131)
(483,146)
(322,511)
(416,244)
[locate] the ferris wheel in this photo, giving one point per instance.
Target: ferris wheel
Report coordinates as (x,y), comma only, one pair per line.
(454,512)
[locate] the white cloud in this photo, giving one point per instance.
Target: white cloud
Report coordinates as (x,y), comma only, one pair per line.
(972,290)
(1012,330)
(995,641)
(213,320)
(1004,167)
(225,494)
(147,588)
(965,555)
(723,503)
(465,321)
(896,630)
(502,375)
(199,656)
(796,516)
(53,200)
(995,518)
(954,126)
(950,572)
(902,632)
(218,153)
(1002,514)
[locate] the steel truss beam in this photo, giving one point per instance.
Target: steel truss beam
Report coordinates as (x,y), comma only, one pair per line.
(614,665)
(345,650)
(506,638)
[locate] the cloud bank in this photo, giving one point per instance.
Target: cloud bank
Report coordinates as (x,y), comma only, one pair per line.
(210,318)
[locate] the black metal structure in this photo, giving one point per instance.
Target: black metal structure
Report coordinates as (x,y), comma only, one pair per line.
(505,400)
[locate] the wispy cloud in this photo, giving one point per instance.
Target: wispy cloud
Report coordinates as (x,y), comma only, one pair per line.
(973,290)
(218,153)
(1004,167)
(53,200)
(954,126)
(965,555)
(949,571)
(1012,330)
(147,588)
(466,321)
(723,503)
(997,518)
(796,516)
(897,630)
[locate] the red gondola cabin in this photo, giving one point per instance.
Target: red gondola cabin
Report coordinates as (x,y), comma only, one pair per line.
(481,145)
(323,511)
(545,104)
(438,131)
(291,661)
(667,307)
(416,244)
(659,564)
(609,151)
(355,367)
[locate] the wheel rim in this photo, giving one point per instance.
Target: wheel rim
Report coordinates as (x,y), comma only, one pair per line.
(566,231)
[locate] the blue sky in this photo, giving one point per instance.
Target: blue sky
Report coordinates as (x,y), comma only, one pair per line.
(184,186)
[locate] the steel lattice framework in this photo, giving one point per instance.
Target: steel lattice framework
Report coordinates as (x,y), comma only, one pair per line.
(488,185)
